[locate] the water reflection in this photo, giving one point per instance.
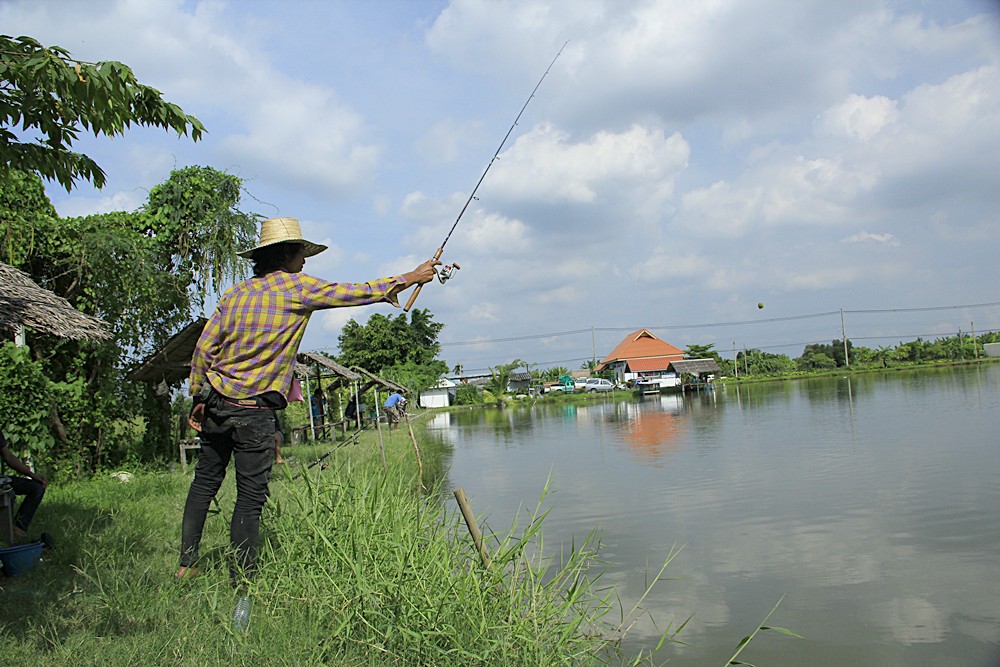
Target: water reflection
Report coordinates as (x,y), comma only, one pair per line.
(653,427)
(870,501)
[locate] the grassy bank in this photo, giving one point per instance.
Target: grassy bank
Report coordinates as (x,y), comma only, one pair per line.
(357,567)
(857,369)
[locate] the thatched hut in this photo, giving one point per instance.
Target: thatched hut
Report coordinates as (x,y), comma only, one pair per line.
(24,304)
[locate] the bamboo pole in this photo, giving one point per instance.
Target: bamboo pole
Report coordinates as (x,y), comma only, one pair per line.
(413,439)
(470,521)
(381,445)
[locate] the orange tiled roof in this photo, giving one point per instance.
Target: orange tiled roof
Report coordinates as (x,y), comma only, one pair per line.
(642,344)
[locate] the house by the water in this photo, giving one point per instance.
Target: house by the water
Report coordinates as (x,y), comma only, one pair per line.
(643,358)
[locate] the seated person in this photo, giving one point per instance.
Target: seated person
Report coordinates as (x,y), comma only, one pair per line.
(31,486)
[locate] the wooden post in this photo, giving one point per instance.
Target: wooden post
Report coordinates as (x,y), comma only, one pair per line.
(470,521)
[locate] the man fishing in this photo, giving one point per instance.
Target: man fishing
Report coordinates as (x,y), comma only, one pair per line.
(242,371)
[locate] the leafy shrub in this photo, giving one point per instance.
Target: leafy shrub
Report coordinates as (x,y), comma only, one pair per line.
(467,394)
(25,393)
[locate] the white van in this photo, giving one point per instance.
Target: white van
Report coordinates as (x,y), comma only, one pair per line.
(598,384)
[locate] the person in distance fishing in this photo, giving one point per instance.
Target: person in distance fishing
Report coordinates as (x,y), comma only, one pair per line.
(242,371)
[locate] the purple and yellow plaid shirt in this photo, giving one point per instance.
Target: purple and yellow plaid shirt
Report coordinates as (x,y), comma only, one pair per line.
(248,346)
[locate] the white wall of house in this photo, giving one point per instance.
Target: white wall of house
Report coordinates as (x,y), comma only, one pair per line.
(664,378)
(435,398)
(992,349)
(440,395)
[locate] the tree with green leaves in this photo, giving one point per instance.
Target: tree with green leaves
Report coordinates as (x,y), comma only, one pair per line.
(47,98)
(553,374)
(702,352)
(146,273)
(500,377)
(757,362)
(405,351)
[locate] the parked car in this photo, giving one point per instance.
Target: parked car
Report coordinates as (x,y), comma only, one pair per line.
(598,384)
(580,384)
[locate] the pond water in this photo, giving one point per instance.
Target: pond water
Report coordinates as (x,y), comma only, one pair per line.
(871,503)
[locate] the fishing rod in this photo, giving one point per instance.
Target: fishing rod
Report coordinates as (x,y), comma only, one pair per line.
(348,441)
(447,272)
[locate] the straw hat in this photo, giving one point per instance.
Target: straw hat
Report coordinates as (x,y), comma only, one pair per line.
(282,230)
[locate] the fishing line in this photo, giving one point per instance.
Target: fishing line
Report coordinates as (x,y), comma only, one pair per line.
(447,271)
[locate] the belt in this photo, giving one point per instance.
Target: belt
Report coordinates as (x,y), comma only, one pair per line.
(246,403)
(270,400)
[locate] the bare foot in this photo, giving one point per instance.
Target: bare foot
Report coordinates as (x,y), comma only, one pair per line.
(187,572)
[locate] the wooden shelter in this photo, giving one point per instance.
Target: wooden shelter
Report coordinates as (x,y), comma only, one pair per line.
(373,381)
(700,369)
(314,367)
(23,303)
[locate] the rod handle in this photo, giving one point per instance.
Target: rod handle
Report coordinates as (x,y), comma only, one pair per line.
(416,292)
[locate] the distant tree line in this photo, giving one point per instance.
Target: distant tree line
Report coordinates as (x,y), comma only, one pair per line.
(818,357)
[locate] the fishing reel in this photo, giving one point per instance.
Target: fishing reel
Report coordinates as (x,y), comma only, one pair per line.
(445,273)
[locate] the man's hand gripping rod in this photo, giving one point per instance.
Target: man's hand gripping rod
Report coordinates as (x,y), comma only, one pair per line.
(447,271)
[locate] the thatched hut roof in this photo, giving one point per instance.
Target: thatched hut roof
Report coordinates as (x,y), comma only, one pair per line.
(172,362)
(24,303)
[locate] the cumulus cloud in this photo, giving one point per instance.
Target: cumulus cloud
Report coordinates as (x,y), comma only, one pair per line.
(297,135)
(545,164)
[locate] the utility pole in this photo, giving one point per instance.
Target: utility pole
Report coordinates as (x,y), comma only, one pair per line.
(975,349)
(843,332)
(746,370)
(736,361)
(593,340)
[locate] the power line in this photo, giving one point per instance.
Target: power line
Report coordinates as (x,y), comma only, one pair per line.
(919,310)
(517,338)
(710,325)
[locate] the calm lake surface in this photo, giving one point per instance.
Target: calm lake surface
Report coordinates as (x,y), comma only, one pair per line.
(871,503)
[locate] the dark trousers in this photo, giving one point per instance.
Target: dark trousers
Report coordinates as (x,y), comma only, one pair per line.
(33,492)
(246,434)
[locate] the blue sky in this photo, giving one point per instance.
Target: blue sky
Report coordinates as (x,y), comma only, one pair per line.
(681,163)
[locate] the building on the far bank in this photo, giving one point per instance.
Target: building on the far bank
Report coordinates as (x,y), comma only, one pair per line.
(642,357)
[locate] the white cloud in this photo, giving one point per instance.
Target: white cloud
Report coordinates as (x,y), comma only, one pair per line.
(544,164)
(859,117)
(297,135)
(118,201)
(861,237)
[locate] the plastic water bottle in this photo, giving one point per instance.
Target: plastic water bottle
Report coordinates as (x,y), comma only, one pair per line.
(241,616)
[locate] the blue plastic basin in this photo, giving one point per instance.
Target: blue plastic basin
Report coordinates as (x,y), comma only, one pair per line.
(18,560)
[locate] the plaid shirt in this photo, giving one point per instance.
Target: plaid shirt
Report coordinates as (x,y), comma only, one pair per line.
(248,346)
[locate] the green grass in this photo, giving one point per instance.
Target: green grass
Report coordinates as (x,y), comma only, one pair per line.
(357,567)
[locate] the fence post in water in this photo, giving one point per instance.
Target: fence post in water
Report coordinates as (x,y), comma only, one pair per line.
(470,521)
